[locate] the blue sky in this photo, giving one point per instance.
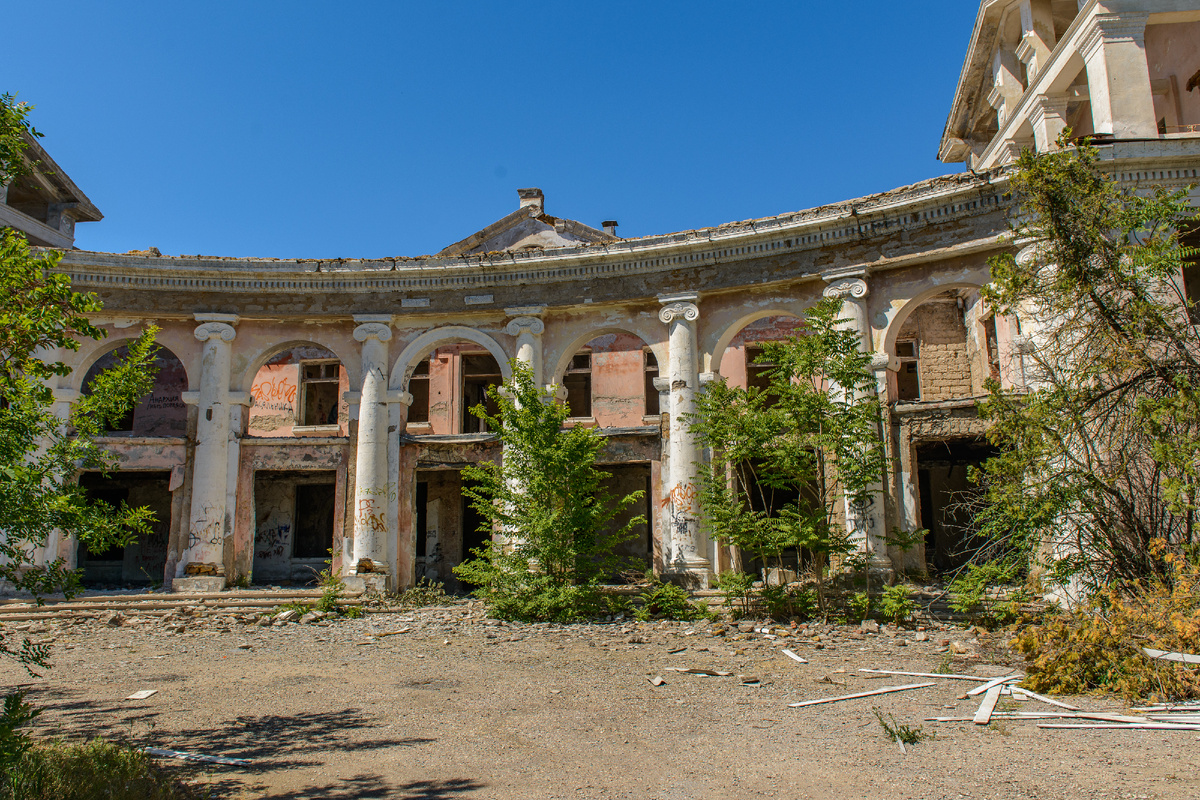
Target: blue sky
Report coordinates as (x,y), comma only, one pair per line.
(372,129)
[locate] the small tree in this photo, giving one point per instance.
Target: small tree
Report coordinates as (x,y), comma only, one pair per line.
(1099,456)
(548,501)
(812,437)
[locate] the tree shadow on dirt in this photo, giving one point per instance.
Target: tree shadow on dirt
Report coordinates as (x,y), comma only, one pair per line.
(373,787)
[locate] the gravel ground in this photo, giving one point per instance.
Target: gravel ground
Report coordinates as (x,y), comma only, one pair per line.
(444,703)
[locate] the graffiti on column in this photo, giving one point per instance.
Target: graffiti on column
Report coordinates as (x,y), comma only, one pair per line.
(369,516)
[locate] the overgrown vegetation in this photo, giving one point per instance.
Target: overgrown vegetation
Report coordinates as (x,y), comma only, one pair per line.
(423,594)
(787,459)
(668,601)
(1096,646)
(1094,490)
(546,500)
(41,451)
(895,605)
(96,770)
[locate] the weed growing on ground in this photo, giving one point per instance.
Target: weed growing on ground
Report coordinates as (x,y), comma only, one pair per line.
(895,604)
(96,770)
(425,593)
(858,606)
(736,589)
(900,732)
(945,666)
(668,601)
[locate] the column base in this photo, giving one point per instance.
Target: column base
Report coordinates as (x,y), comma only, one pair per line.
(199,584)
(368,583)
(688,578)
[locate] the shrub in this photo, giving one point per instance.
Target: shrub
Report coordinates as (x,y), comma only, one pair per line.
(96,770)
(424,593)
(736,589)
(895,604)
(784,602)
(668,601)
(1097,646)
(859,606)
(969,594)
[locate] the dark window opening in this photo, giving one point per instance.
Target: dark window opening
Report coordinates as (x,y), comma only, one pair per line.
(758,374)
(111,496)
(651,370)
(908,379)
(480,372)
(993,348)
(948,498)
(313,520)
(319,387)
(422,501)
(418,387)
(578,383)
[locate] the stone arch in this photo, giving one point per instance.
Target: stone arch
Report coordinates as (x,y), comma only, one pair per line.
(561,359)
(245,381)
(713,349)
(93,351)
(901,315)
(411,354)
(161,412)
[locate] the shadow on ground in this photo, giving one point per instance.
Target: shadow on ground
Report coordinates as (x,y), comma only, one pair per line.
(373,787)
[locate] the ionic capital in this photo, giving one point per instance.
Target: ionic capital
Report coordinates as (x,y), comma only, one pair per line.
(847,288)
(687,311)
(516,327)
(215,330)
(373,330)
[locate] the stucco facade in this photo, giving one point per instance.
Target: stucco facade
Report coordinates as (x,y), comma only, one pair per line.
(354,375)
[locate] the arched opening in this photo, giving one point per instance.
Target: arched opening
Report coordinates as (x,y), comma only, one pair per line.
(298,393)
(446,384)
(161,412)
(741,363)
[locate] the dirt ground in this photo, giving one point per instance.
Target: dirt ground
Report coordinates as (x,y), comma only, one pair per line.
(442,703)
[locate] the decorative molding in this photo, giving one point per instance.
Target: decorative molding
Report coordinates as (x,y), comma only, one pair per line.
(882,361)
(211,330)
(516,327)
(373,330)
(847,288)
(687,311)
(662,384)
(1109,28)
(525,311)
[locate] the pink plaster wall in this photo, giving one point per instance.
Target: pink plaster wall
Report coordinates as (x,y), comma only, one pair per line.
(277,396)
(618,380)
(162,412)
(768,329)
(1174,49)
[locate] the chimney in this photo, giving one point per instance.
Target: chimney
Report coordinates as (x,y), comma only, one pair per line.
(610,227)
(531,197)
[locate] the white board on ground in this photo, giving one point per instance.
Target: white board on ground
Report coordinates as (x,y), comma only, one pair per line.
(884,690)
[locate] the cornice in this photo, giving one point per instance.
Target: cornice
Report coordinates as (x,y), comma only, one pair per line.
(910,208)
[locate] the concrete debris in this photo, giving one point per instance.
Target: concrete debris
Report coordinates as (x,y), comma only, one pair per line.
(115,619)
(657,680)
(869,626)
(284,617)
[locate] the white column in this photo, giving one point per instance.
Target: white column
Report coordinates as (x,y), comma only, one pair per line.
(1048,116)
(686,556)
(528,329)
(211,517)
(1114,50)
(865,522)
(372,494)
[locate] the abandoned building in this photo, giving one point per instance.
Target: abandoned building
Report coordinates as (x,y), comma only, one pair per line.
(313,408)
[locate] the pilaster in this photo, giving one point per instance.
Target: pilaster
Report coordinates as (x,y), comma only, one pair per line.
(1114,51)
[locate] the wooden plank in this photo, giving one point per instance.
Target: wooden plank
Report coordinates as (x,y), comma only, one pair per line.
(158,751)
(1043,698)
(987,687)
(794,657)
(1153,726)
(1033,715)
(926,674)
(884,690)
(1163,655)
(984,715)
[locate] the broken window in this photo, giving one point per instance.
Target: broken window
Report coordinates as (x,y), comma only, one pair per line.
(578,383)
(480,371)
(908,381)
(313,520)
(651,370)
(418,387)
(319,392)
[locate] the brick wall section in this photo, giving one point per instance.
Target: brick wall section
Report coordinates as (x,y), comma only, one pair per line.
(943,363)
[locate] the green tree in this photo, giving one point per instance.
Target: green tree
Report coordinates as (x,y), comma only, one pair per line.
(548,501)
(1099,455)
(811,438)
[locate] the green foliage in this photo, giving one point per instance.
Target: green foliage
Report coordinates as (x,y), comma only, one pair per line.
(1100,455)
(785,602)
(14,743)
(424,594)
(736,591)
(813,434)
(14,127)
(547,501)
(40,453)
(898,732)
(97,770)
(668,601)
(895,604)
(971,590)
(858,606)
